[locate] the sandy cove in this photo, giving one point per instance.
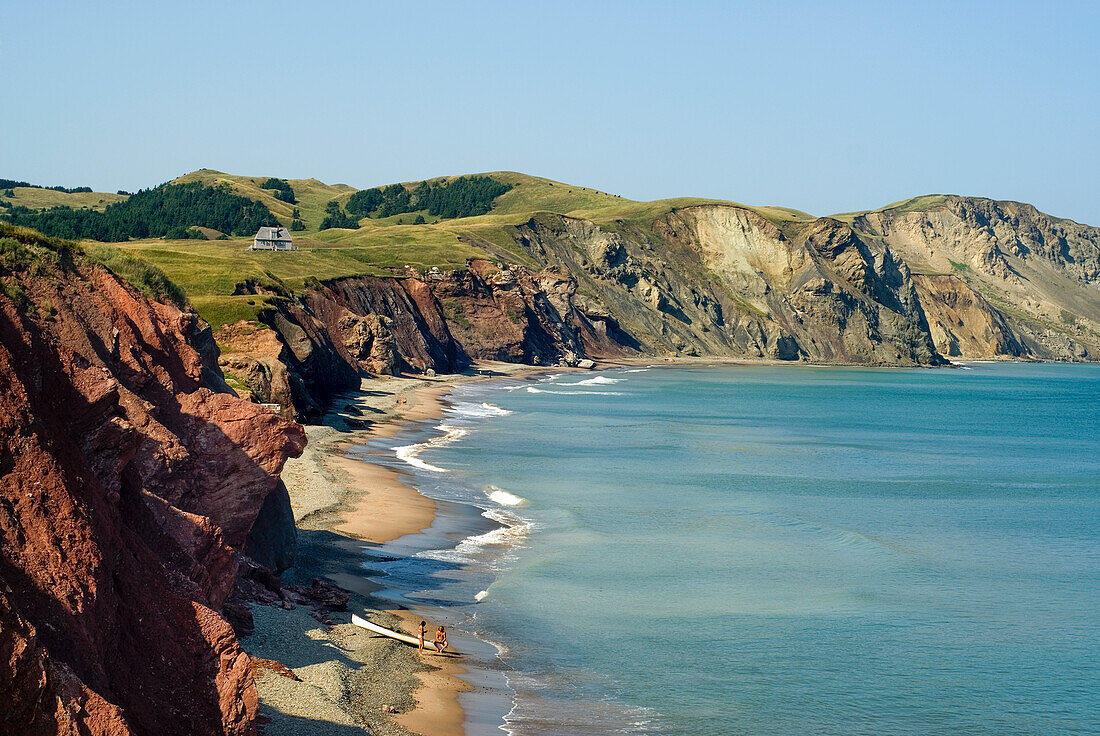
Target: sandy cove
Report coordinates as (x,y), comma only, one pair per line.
(349,678)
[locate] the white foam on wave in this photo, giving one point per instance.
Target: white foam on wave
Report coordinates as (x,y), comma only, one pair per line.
(477,410)
(504,498)
(481,596)
(594,381)
(637,370)
(512,533)
(411,453)
(533,390)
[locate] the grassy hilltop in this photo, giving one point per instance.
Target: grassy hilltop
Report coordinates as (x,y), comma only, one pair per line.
(36,198)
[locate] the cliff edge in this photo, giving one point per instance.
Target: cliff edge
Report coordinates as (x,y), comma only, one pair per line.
(130,479)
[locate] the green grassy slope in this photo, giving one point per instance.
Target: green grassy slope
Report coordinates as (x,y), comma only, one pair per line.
(209,271)
(312,195)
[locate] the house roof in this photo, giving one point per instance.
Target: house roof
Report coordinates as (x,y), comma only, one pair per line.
(273,233)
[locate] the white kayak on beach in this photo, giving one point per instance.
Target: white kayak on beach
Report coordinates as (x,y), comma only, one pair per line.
(429,646)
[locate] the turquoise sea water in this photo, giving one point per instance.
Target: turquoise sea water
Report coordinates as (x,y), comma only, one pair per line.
(777,550)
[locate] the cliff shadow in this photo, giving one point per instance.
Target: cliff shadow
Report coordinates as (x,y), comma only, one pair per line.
(293,638)
(284,724)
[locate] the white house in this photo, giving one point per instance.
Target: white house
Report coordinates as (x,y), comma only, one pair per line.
(272,238)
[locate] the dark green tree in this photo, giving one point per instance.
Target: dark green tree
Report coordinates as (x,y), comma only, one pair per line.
(296,223)
(466,196)
(283,190)
(364,202)
(152,213)
(336,217)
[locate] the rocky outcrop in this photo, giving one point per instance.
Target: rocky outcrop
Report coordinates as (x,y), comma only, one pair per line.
(964,324)
(272,540)
(312,347)
(521,316)
(987,234)
(722,280)
(1039,273)
(128,485)
(370,342)
(400,311)
(317,345)
(309,348)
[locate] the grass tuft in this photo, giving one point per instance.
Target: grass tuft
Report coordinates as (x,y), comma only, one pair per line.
(149,279)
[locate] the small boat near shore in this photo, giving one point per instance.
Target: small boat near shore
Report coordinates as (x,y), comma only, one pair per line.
(429,646)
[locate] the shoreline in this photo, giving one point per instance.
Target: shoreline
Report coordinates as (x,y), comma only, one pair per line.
(347,509)
(344,507)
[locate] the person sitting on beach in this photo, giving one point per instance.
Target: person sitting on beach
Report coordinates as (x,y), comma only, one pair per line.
(420,636)
(440,640)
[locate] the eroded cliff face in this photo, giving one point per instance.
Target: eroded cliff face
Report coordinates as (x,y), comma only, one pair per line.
(1039,273)
(722,280)
(128,484)
(994,280)
(964,324)
(317,345)
(522,316)
(312,347)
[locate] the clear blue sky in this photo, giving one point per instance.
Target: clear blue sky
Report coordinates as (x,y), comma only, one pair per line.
(824,107)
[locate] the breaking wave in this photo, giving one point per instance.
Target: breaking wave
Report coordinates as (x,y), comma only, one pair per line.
(594,381)
(504,498)
(411,453)
(533,390)
(513,532)
(477,410)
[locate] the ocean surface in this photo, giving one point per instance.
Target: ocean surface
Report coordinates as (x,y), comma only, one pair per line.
(766,550)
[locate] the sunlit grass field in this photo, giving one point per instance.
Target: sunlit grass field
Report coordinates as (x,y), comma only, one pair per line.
(36,198)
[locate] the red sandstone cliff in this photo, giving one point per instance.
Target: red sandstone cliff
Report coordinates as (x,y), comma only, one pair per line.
(126,487)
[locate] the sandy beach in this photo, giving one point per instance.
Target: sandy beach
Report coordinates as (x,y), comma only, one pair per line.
(351,681)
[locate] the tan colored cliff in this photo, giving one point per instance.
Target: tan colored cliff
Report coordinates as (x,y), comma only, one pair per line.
(1040,273)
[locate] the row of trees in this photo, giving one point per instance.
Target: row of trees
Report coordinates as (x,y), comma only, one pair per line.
(466,196)
(165,211)
(12,183)
(283,191)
